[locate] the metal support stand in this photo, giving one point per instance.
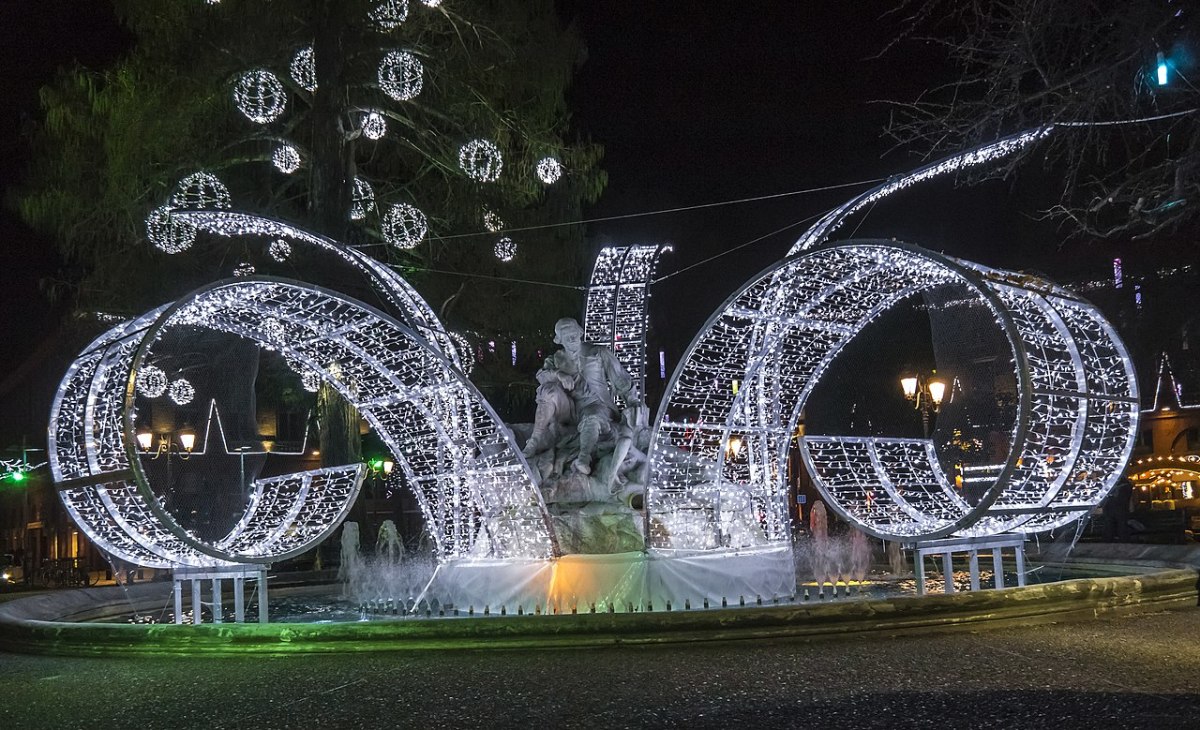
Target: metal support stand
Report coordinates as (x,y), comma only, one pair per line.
(238,575)
(972,546)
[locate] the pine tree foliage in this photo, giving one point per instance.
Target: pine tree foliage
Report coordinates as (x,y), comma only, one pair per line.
(115,143)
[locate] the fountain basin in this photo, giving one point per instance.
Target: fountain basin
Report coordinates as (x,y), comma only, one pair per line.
(47,623)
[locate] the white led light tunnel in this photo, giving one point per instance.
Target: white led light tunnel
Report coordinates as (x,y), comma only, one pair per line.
(1076,410)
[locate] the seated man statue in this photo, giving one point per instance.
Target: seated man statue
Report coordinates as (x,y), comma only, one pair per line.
(586,372)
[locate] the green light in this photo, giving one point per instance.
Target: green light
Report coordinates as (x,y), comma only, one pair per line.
(375,464)
(18,476)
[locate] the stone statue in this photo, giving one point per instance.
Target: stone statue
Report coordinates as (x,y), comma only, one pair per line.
(589,455)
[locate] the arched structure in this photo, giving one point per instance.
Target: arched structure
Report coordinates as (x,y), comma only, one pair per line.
(471,482)
(1076,417)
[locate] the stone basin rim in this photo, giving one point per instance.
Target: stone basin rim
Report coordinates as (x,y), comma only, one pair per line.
(33,625)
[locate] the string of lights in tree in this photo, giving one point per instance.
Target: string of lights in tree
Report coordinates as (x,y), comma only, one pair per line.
(404,226)
(259,95)
(481,160)
(286,159)
(1074,426)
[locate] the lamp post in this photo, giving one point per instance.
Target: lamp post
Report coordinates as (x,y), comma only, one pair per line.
(180,444)
(926,393)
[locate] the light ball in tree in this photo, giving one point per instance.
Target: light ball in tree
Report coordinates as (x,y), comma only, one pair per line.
(431,3)
(549,170)
(286,159)
(481,160)
(200,191)
(260,96)
(389,14)
(506,249)
(310,380)
(243,269)
(151,381)
(362,200)
(404,226)
(280,250)
(304,69)
(374,125)
(492,221)
(168,233)
(401,75)
(181,392)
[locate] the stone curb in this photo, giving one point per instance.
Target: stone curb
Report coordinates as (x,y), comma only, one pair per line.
(22,631)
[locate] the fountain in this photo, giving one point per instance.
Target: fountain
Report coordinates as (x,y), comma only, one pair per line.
(597,505)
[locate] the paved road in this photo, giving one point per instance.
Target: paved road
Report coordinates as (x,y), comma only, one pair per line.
(1140,671)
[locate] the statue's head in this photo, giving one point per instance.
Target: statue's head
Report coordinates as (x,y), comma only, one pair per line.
(567,332)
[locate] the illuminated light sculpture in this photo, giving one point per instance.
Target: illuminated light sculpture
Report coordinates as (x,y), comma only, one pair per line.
(280,250)
(1074,428)
(431,3)
(398,293)
(286,159)
(304,69)
(616,312)
(549,170)
(506,249)
(492,222)
(260,96)
(151,381)
(199,191)
(362,200)
(404,226)
(481,160)
(827,224)
(311,381)
(243,270)
(389,14)
(167,232)
(474,489)
(401,75)
(374,126)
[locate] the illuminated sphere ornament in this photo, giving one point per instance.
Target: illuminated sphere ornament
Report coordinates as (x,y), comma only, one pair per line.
(362,200)
(243,269)
(167,232)
(481,160)
(374,126)
(260,96)
(404,226)
(280,250)
(390,14)
(200,191)
(311,381)
(431,3)
(151,381)
(181,392)
(286,159)
(304,69)
(273,329)
(549,170)
(506,249)
(492,221)
(401,75)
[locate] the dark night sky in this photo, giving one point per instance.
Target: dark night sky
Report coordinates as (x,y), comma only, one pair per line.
(695,102)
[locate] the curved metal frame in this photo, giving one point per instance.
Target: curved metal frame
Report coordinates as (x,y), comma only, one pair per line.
(1075,424)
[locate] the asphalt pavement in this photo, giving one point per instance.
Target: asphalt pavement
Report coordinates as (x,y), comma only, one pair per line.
(1128,671)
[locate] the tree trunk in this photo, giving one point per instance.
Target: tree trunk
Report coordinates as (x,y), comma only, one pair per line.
(331,171)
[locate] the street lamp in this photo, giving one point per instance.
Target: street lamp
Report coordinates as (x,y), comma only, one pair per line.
(926,394)
(167,443)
